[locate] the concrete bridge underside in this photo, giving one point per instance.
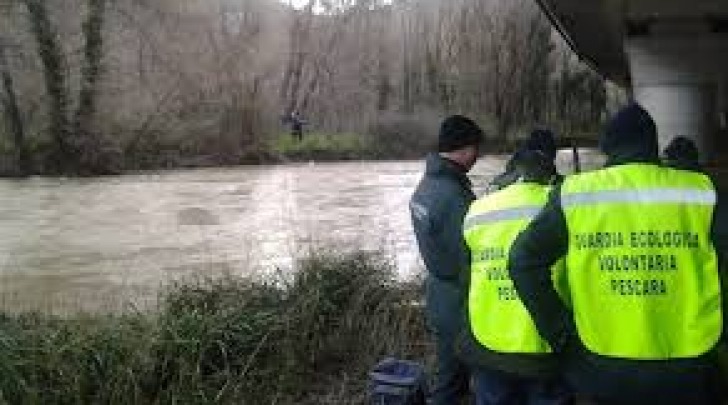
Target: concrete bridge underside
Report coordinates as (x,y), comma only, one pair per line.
(672,55)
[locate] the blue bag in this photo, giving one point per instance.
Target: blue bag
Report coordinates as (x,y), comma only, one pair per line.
(398,382)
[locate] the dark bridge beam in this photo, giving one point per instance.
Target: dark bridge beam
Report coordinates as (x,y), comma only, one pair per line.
(671,55)
(593,30)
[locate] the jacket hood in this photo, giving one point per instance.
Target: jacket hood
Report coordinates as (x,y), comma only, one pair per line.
(631,136)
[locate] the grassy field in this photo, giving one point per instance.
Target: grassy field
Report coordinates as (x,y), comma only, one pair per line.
(307,340)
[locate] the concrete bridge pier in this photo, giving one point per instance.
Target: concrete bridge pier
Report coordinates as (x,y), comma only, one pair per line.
(678,72)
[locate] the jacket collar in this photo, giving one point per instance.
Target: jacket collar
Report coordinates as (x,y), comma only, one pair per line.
(440,166)
(625,160)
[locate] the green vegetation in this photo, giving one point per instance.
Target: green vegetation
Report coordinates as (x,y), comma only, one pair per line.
(322,146)
(397,136)
(389,137)
(306,339)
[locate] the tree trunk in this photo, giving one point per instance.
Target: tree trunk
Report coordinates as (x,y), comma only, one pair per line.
(300,36)
(54,70)
(88,143)
(15,121)
(384,87)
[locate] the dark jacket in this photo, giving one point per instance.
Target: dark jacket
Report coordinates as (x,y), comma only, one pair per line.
(543,243)
(438,208)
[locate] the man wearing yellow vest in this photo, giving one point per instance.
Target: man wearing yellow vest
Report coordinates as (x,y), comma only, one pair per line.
(512,363)
(640,243)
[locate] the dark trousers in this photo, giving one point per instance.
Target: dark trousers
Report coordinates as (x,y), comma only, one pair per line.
(452,377)
(645,383)
(493,387)
(297,134)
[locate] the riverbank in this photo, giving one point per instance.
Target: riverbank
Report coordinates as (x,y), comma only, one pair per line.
(385,145)
(309,338)
(320,147)
(315,146)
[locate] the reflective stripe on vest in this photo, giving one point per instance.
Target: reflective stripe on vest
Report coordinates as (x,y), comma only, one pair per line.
(644,196)
(498,319)
(641,266)
(527,212)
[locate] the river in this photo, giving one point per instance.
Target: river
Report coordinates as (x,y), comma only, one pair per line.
(109,244)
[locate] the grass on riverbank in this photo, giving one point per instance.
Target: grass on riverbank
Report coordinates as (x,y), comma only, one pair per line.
(322,146)
(225,340)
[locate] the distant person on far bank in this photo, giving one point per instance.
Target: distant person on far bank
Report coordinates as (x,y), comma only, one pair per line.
(682,153)
(297,124)
(438,208)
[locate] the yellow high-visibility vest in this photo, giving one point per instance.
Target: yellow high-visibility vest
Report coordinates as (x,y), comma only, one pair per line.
(498,319)
(641,267)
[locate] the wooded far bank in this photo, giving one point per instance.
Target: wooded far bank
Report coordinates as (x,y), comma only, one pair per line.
(93,87)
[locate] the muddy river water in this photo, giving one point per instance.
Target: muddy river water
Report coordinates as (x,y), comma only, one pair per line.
(103,244)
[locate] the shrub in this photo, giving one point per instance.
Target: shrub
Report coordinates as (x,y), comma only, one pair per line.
(404,136)
(322,146)
(310,339)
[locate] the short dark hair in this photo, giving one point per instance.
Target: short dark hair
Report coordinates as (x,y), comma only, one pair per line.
(457,132)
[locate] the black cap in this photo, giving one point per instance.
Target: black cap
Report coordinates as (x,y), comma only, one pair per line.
(457,132)
(683,153)
(631,134)
(532,164)
(542,140)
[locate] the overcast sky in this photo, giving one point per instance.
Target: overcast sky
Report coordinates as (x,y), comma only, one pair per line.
(297,3)
(301,3)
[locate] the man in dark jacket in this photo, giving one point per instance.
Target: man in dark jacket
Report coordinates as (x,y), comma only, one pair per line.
(438,207)
(297,124)
(630,143)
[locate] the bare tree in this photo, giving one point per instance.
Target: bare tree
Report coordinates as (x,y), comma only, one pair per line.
(187,82)
(88,144)
(13,115)
(91,72)
(54,71)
